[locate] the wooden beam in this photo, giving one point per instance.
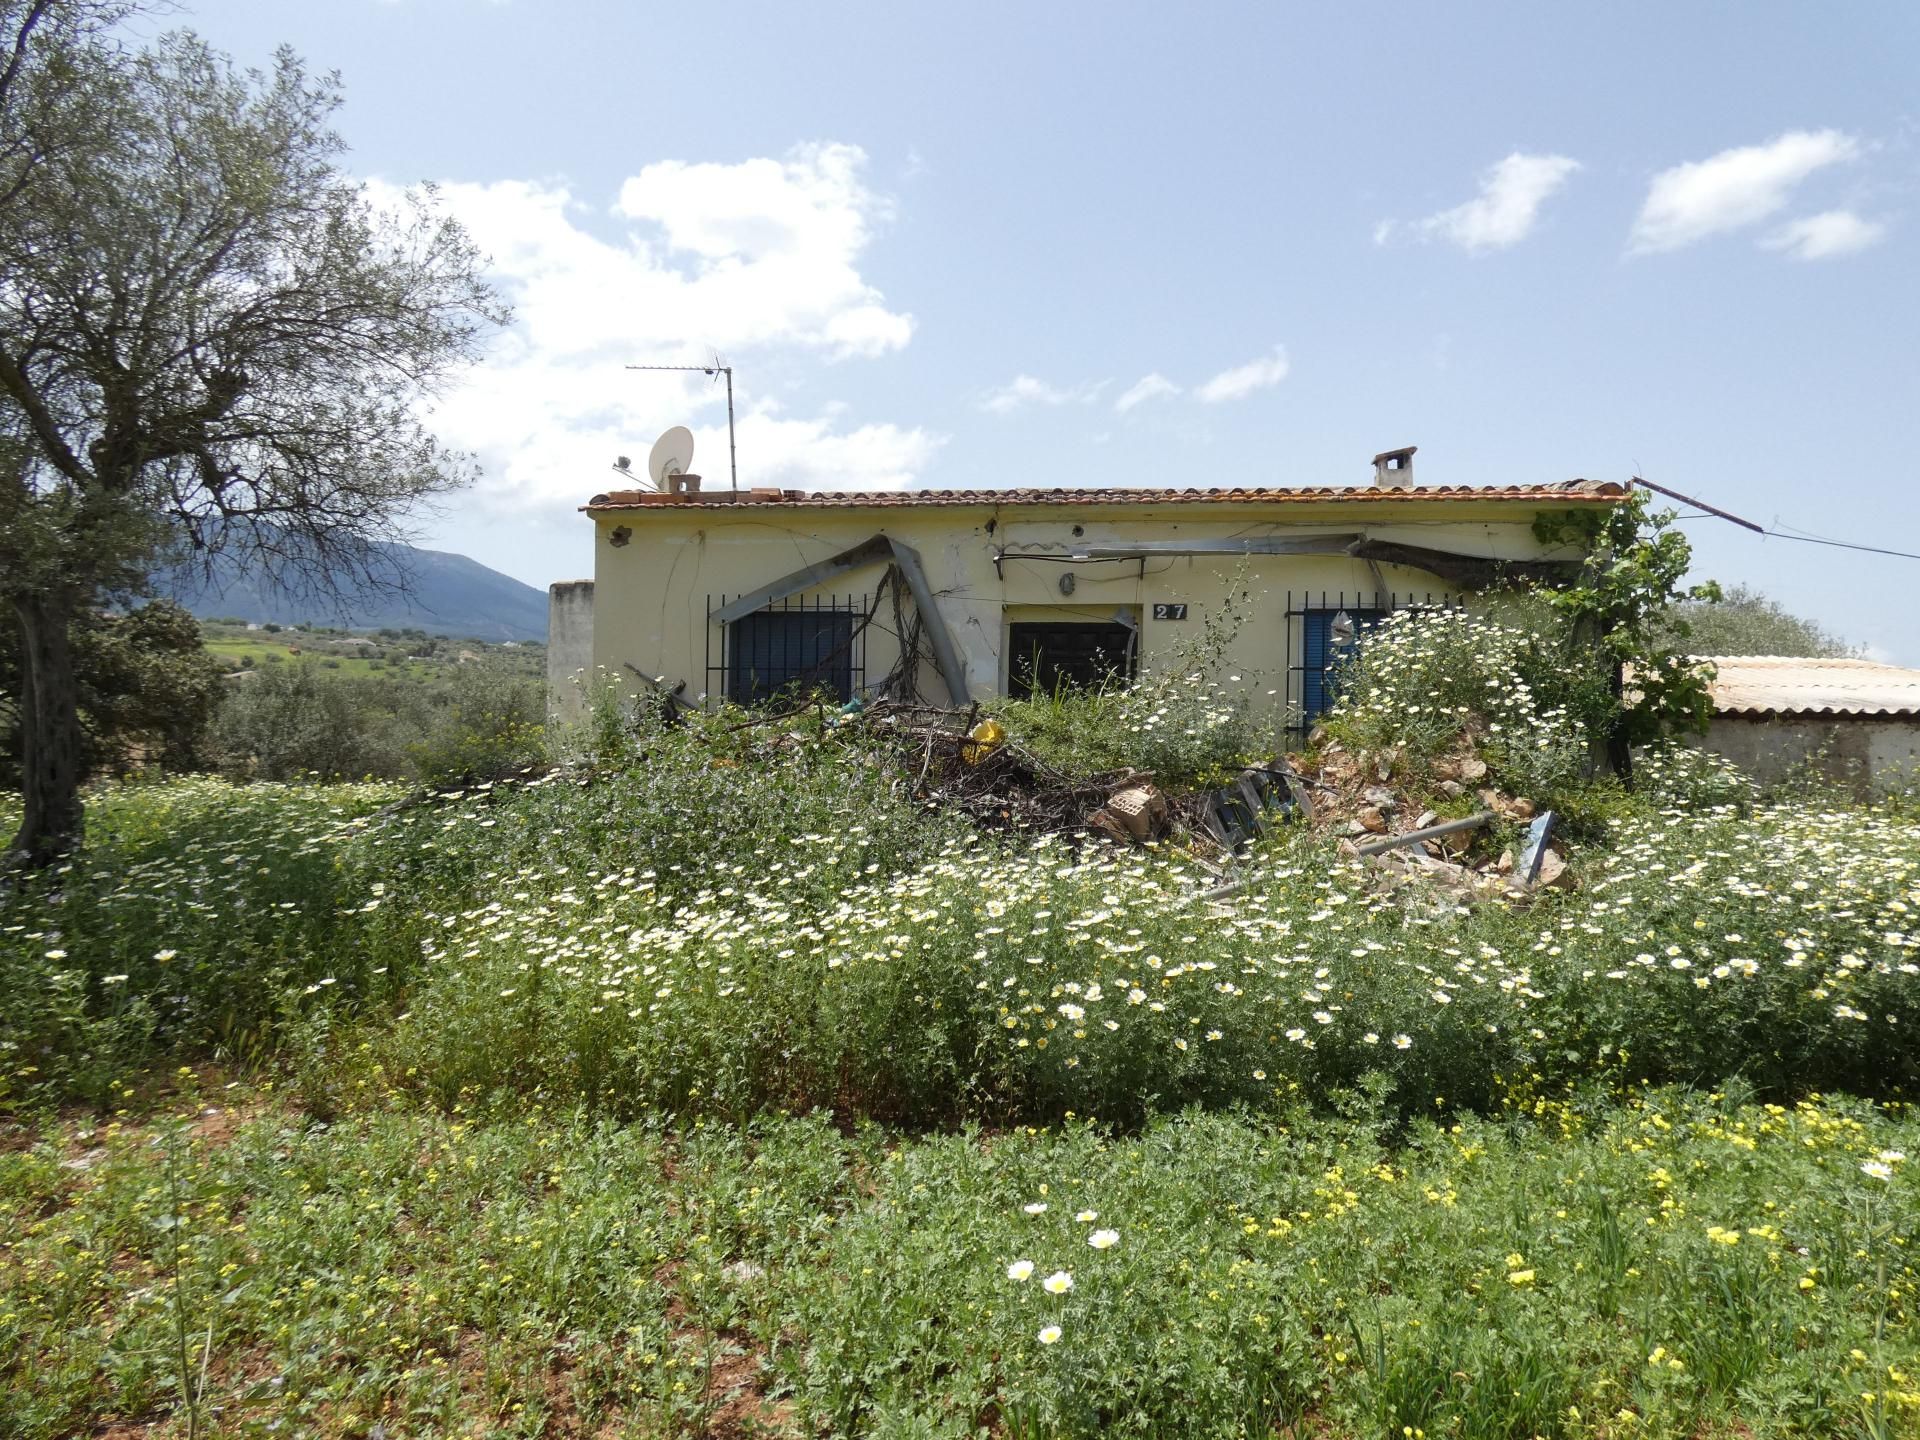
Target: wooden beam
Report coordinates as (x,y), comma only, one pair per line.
(1470,572)
(1432,832)
(673,693)
(867,552)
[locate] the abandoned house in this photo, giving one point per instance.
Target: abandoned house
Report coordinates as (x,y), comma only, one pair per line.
(955,595)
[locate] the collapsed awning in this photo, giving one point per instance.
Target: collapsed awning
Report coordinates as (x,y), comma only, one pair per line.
(946,656)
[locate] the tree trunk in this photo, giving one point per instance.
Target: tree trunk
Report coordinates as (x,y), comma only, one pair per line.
(1619,751)
(49,731)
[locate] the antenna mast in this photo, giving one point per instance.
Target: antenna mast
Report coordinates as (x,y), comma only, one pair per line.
(715,369)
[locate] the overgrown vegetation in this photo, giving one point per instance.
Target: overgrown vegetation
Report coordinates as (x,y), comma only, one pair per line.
(1187,721)
(1625,609)
(717,1082)
(447,725)
(1681,1265)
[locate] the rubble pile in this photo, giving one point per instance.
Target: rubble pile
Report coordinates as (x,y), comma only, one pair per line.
(1429,828)
(1382,808)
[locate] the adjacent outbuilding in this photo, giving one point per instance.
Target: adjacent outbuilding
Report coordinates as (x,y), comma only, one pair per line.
(1856,722)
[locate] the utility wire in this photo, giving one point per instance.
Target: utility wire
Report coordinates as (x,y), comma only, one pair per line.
(1776,533)
(1843,545)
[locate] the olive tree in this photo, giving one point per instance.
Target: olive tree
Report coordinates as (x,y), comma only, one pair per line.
(210,341)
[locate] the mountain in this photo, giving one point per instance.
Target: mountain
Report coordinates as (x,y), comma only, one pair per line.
(445,594)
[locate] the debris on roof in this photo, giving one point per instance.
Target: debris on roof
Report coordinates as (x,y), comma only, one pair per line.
(1784,685)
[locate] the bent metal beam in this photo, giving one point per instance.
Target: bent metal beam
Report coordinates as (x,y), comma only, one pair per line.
(879,547)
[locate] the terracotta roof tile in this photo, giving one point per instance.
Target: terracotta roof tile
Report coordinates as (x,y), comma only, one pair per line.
(1758,685)
(1577,490)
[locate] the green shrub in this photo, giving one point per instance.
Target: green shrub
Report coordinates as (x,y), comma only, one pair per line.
(193,922)
(486,723)
(1743,621)
(1509,680)
(477,721)
(301,720)
(1686,778)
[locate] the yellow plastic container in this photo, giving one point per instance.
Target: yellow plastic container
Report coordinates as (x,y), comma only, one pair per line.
(985,738)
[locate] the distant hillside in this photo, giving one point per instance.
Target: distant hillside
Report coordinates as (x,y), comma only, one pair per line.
(445,594)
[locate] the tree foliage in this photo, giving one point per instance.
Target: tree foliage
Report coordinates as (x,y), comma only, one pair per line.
(210,342)
(1624,604)
(1745,622)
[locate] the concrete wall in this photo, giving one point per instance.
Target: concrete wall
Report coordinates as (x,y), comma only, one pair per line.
(569,649)
(656,586)
(1867,756)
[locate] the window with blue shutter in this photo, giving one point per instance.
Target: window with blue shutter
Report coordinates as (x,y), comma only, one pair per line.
(1324,649)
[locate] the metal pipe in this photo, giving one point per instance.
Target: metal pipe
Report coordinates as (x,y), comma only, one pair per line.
(1432,832)
(733,463)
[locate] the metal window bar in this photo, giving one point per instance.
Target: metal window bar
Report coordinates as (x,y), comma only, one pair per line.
(765,655)
(1308,656)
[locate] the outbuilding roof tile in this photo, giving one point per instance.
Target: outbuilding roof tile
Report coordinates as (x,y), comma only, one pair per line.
(1762,685)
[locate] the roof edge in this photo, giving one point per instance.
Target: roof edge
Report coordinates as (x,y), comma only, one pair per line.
(1603,492)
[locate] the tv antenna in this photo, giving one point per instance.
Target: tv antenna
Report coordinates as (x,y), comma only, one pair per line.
(716,370)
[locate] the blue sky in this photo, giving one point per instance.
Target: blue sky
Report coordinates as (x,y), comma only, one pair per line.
(1213,245)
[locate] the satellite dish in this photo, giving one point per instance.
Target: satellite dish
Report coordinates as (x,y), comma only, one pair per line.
(671,455)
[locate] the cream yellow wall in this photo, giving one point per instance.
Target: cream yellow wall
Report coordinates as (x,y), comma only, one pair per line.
(652,593)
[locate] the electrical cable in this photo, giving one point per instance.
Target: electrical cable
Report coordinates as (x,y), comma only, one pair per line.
(1777,533)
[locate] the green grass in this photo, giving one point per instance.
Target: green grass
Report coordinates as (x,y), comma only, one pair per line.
(1674,1266)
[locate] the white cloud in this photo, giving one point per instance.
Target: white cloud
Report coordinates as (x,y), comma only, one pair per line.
(1733,189)
(1504,212)
(1243,380)
(758,260)
(814,455)
(1823,236)
(1024,390)
(1148,387)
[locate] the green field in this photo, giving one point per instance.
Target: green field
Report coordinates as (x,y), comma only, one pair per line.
(569,1116)
(240,647)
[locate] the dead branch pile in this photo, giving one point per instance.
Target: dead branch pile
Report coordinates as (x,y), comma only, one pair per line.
(1000,785)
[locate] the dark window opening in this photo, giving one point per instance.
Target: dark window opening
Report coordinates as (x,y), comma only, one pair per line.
(790,651)
(1046,657)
